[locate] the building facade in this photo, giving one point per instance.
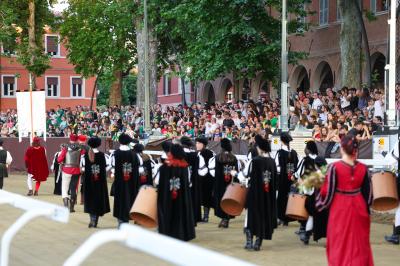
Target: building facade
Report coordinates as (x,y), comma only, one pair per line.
(322,68)
(61,83)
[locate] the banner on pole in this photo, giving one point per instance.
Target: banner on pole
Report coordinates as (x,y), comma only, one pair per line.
(28,121)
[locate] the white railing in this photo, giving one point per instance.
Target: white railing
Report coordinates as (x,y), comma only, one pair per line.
(34,208)
(160,246)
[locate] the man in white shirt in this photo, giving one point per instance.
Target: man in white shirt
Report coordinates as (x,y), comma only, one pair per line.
(378,105)
(317,103)
(5,161)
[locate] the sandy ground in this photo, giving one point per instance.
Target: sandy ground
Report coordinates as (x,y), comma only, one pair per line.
(43,242)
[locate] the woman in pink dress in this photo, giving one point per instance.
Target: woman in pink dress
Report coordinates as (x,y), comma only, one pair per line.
(347,193)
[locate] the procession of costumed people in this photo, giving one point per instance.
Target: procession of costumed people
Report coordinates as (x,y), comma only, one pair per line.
(178,190)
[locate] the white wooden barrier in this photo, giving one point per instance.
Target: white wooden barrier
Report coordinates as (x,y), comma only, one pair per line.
(160,246)
(34,208)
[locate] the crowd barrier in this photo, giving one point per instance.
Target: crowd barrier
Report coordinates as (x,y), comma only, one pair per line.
(33,208)
(240,147)
(166,248)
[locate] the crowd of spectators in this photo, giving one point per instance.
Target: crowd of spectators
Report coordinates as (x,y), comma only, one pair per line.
(329,116)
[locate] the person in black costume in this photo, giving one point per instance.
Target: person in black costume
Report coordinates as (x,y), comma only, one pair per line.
(146,164)
(126,184)
(95,164)
(286,160)
(317,221)
(192,160)
(260,175)
(222,167)
(165,146)
(174,202)
(206,180)
(55,167)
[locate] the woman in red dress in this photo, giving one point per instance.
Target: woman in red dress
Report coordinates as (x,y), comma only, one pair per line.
(347,193)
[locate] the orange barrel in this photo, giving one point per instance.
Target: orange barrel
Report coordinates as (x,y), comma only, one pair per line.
(384,189)
(296,207)
(234,199)
(144,209)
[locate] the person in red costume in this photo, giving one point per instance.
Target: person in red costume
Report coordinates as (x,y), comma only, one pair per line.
(347,193)
(70,158)
(36,165)
(82,139)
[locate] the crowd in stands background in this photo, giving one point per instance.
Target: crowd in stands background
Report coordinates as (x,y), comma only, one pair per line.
(329,116)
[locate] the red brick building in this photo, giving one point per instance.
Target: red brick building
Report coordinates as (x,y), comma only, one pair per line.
(321,69)
(169,90)
(62,85)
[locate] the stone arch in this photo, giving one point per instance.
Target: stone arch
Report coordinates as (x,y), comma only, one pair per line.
(378,63)
(246,89)
(209,93)
(226,90)
(300,79)
(323,77)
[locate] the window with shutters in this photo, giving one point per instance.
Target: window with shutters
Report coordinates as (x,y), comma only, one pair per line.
(52,45)
(323,12)
(8,86)
(77,87)
(166,85)
(52,87)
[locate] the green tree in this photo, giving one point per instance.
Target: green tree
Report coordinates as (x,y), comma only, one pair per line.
(229,36)
(25,21)
(100,37)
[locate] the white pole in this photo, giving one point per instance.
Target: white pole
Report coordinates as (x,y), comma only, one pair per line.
(284,61)
(391,101)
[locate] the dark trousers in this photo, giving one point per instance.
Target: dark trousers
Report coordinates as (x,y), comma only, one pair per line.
(73,186)
(1,182)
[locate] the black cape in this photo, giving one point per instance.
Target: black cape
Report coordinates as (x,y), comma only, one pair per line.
(207,182)
(146,177)
(175,216)
(125,189)
(95,182)
(193,161)
(261,201)
(56,169)
(287,161)
(224,163)
(320,217)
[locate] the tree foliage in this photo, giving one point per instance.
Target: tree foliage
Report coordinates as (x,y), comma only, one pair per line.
(218,37)
(99,35)
(14,33)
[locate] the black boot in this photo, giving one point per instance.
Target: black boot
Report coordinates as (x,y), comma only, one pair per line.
(92,221)
(395,237)
(72,205)
(249,239)
(206,213)
(257,244)
(226,223)
(66,202)
(221,223)
(302,229)
(96,221)
(305,237)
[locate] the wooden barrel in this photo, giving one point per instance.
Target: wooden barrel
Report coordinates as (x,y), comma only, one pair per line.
(144,209)
(234,199)
(384,189)
(296,207)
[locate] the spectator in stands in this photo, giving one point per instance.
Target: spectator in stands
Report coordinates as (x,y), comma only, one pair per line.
(378,104)
(360,131)
(317,103)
